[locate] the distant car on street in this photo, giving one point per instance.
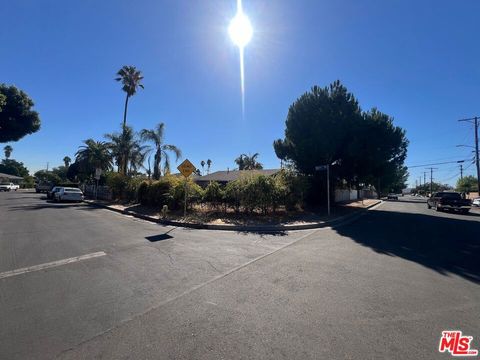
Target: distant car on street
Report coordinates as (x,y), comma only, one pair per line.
(392,197)
(68,194)
(476,202)
(9,187)
(44,187)
(51,193)
(449,200)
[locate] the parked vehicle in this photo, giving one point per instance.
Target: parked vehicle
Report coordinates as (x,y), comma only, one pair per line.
(9,187)
(449,200)
(43,187)
(51,193)
(392,197)
(68,194)
(476,202)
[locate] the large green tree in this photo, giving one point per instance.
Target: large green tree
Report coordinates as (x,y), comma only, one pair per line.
(327,125)
(467,184)
(13,167)
(160,149)
(17,118)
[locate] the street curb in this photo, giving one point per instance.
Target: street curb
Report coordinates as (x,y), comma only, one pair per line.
(239,228)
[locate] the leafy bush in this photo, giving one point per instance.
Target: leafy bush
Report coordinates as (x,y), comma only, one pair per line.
(233,194)
(117,184)
(214,194)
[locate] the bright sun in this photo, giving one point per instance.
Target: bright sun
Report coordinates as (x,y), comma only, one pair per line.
(240,30)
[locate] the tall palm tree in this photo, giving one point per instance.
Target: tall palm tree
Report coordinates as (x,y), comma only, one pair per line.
(160,149)
(248,162)
(131,79)
(8,151)
(209,163)
(94,154)
(67,161)
(202,164)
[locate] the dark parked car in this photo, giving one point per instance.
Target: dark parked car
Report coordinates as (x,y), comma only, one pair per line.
(392,197)
(449,200)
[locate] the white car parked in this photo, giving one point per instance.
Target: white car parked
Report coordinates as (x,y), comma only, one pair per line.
(68,194)
(9,187)
(476,202)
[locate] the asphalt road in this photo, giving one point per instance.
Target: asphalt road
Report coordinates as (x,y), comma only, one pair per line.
(384,286)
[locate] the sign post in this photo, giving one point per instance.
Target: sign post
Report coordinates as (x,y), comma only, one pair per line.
(321,168)
(98,173)
(186,168)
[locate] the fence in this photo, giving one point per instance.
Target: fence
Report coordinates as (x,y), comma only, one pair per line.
(351,195)
(103,192)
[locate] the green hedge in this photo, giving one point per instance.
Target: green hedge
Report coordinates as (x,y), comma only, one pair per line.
(249,193)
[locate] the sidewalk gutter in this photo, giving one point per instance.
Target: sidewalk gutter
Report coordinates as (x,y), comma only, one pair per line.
(242,228)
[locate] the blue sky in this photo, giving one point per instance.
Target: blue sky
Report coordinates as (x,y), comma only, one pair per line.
(415,60)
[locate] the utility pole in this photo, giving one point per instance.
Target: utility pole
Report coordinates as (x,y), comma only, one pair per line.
(474,121)
(424,177)
(461,171)
(47,166)
(431,179)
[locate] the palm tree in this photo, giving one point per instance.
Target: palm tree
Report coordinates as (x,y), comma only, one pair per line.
(67,161)
(131,80)
(248,162)
(202,164)
(138,156)
(8,151)
(160,149)
(122,146)
(94,154)
(209,163)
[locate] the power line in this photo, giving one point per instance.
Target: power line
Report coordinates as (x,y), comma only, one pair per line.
(441,163)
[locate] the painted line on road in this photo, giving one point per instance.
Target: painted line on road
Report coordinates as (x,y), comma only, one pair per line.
(49,265)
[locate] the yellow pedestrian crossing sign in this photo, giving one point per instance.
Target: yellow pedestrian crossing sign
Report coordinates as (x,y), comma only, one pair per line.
(186,168)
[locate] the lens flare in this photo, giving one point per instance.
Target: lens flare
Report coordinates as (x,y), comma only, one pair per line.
(241,32)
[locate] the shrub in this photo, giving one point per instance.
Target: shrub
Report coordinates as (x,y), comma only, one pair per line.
(142,193)
(117,184)
(159,193)
(214,194)
(233,194)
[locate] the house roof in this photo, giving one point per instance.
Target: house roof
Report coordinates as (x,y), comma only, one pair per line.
(9,177)
(232,175)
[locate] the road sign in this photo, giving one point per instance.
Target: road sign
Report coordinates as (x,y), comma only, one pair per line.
(186,168)
(321,167)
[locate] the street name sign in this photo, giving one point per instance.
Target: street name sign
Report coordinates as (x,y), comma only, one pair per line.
(321,167)
(186,168)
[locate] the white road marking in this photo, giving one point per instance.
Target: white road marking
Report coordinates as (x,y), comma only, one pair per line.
(49,265)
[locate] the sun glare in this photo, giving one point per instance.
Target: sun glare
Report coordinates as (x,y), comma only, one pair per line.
(240,30)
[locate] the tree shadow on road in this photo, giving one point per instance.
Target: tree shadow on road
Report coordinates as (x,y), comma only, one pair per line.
(52,205)
(444,244)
